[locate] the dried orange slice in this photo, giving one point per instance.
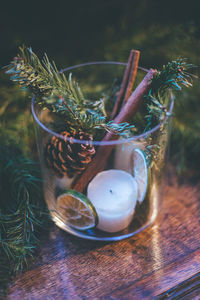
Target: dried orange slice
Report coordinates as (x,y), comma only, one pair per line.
(77,210)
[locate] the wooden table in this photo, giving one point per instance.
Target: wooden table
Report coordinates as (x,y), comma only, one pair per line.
(162,262)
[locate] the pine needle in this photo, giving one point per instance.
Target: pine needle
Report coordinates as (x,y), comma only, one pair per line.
(23,212)
(172,77)
(60,95)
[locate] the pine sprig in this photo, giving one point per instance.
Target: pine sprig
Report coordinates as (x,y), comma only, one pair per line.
(80,116)
(22,212)
(123,129)
(44,80)
(40,77)
(173,77)
(60,95)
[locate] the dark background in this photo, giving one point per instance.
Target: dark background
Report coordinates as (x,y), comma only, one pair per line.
(84,30)
(72,31)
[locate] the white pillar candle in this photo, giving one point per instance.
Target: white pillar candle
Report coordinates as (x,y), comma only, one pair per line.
(114,195)
(123,154)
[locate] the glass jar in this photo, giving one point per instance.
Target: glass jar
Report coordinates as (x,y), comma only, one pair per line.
(126,187)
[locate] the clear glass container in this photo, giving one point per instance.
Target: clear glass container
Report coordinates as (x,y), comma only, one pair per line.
(128,190)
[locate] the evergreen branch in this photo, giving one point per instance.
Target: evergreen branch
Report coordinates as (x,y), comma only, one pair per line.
(41,77)
(61,96)
(123,129)
(22,212)
(53,90)
(173,76)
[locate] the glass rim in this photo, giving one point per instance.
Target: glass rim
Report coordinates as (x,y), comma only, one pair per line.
(104,143)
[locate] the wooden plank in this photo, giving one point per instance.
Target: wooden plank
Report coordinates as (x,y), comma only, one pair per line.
(187,288)
(154,284)
(142,267)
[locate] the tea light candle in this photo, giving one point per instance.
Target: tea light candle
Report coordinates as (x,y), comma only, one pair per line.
(114,195)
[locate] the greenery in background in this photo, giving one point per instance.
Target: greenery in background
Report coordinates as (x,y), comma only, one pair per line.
(15,119)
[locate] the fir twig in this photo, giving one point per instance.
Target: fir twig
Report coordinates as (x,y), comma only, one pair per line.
(60,95)
(22,212)
(172,77)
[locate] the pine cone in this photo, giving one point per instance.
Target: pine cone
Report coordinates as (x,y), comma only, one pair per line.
(66,157)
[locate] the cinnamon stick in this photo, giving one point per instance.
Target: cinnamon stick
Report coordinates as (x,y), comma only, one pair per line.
(132,76)
(128,110)
(127,82)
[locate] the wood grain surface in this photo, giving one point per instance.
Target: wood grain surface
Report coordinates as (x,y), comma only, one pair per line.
(156,264)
